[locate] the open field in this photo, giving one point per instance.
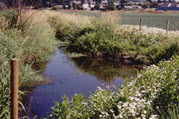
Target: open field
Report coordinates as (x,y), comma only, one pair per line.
(152,20)
(149,19)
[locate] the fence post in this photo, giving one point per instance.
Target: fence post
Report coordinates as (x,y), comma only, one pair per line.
(167,26)
(140,27)
(14,88)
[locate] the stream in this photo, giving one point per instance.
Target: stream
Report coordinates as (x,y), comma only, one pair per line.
(75,75)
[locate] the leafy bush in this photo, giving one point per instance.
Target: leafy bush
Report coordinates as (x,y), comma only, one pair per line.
(107,39)
(152,95)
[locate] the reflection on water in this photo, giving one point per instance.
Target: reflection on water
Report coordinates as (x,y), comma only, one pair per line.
(104,70)
(75,75)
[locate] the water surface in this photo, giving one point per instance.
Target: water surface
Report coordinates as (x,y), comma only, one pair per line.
(75,75)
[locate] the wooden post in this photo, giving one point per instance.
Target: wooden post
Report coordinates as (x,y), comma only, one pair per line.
(167,26)
(140,27)
(14,88)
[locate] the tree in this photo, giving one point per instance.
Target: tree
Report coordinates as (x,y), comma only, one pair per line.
(146,5)
(82,1)
(111,5)
(122,3)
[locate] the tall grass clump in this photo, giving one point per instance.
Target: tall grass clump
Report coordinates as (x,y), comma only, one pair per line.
(104,37)
(153,94)
(31,41)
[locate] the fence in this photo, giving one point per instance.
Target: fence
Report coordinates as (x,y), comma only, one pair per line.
(14,89)
(153,20)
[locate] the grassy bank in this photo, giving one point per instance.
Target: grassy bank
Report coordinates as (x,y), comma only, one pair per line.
(97,37)
(152,95)
(26,41)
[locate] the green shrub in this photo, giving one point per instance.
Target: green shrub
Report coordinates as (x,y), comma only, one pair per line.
(101,37)
(151,95)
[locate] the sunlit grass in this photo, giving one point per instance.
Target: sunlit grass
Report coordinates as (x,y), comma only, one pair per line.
(32,42)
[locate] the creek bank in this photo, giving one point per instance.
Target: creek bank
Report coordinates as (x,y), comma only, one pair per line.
(75,75)
(99,39)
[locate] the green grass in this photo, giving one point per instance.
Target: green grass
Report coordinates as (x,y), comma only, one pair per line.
(149,19)
(31,45)
(152,20)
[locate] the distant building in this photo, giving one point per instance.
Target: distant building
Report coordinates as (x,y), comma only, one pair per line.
(169,7)
(76,2)
(85,6)
(3,5)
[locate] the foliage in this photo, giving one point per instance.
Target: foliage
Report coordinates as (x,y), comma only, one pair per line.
(29,46)
(107,38)
(173,113)
(146,5)
(111,5)
(8,19)
(151,94)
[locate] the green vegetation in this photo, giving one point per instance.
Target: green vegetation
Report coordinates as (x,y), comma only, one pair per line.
(27,42)
(109,40)
(152,19)
(149,19)
(153,94)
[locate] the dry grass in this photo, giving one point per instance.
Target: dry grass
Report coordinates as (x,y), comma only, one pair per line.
(151,30)
(106,17)
(82,21)
(79,20)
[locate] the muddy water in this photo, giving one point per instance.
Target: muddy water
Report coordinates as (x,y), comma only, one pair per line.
(75,75)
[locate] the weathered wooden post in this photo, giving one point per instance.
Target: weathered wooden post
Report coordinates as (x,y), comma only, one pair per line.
(140,27)
(14,88)
(167,26)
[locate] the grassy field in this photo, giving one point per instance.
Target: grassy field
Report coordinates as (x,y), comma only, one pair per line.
(149,19)
(152,20)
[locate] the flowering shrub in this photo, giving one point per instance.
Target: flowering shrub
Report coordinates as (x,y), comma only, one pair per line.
(150,96)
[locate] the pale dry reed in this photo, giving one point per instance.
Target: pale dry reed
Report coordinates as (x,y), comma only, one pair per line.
(79,20)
